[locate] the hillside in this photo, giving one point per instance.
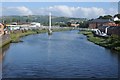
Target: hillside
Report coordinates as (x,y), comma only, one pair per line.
(42,19)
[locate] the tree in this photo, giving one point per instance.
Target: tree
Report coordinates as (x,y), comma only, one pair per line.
(117,22)
(117,15)
(6,21)
(84,24)
(77,23)
(63,24)
(27,20)
(100,17)
(68,23)
(14,20)
(105,17)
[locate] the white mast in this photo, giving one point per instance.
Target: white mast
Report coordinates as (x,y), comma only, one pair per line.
(49,21)
(49,30)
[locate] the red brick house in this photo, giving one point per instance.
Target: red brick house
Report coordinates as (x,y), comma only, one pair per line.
(100,22)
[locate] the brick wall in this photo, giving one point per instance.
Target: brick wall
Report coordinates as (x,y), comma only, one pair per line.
(95,25)
(116,31)
(92,25)
(112,30)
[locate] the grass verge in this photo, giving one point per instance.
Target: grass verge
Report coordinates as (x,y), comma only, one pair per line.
(112,42)
(15,37)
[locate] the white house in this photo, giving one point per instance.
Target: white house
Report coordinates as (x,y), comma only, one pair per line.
(24,27)
(13,27)
(35,24)
(116,19)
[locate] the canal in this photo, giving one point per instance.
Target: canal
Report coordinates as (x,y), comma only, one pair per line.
(62,55)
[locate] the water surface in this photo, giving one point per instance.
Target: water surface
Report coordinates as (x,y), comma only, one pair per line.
(61,55)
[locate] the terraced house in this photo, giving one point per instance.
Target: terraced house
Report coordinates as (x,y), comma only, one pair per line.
(96,23)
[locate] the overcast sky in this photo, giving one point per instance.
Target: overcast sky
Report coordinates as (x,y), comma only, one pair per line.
(68,9)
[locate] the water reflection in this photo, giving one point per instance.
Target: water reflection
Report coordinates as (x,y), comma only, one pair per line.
(2,54)
(119,66)
(3,50)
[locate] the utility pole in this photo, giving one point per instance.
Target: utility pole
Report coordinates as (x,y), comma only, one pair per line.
(49,30)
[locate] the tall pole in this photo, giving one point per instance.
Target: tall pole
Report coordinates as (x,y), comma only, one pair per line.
(49,21)
(49,30)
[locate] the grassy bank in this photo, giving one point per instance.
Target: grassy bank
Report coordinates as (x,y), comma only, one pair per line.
(15,37)
(5,43)
(112,42)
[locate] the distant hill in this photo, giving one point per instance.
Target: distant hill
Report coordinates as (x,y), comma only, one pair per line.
(42,19)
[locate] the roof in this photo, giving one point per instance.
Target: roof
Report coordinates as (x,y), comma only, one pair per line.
(100,21)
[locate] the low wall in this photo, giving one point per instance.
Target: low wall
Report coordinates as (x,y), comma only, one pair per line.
(5,39)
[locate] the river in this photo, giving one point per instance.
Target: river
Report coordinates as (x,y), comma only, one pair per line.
(61,55)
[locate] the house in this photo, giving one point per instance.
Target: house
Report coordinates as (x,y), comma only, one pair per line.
(110,30)
(34,25)
(111,27)
(74,25)
(24,27)
(116,19)
(114,30)
(1,29)
(13,27)
(93,24)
